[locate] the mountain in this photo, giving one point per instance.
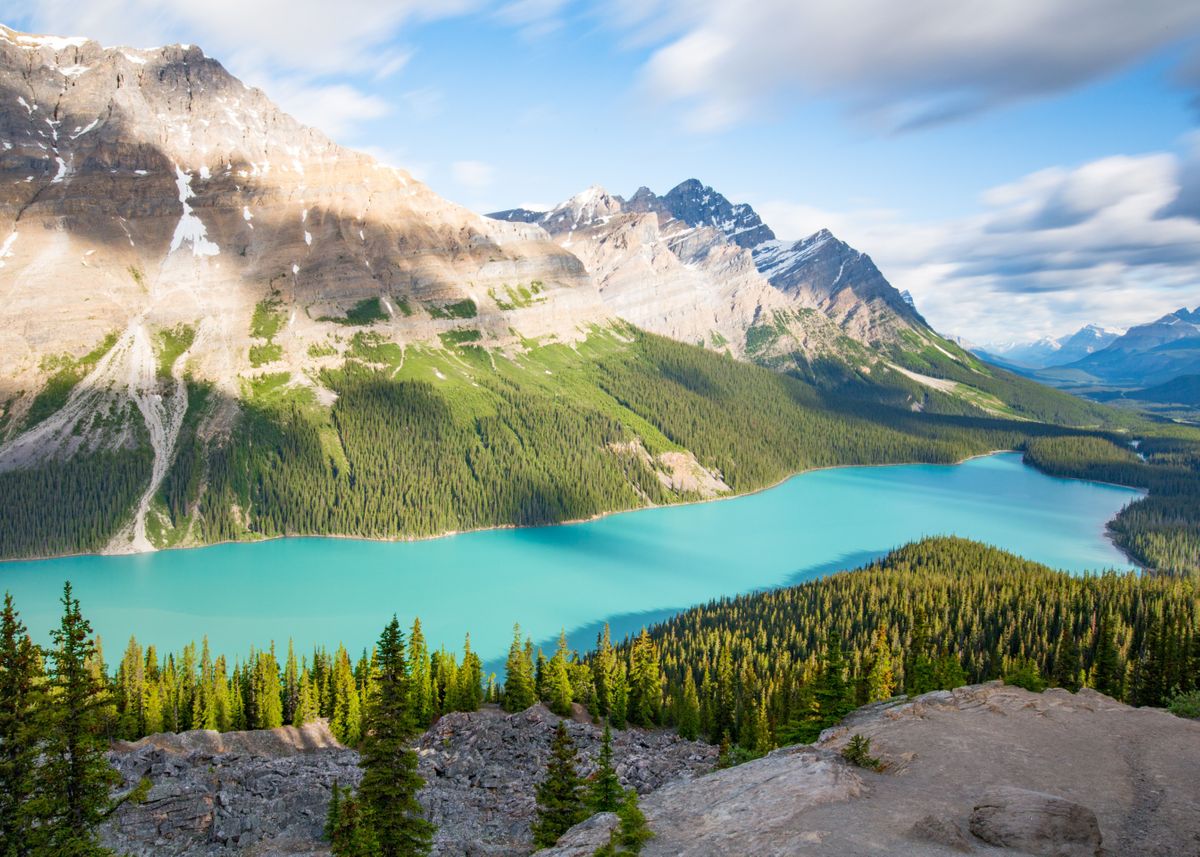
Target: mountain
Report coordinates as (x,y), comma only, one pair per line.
(218,324)
(1046,352)
(691,282)
(697,204)
(842,282)
(1147,354)
(692,265)
(1184,390)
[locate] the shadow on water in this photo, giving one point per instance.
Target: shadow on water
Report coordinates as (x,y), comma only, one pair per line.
(582,638)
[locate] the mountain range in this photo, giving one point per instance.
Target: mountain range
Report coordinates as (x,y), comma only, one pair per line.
(1149,362)
(1050,351)
(211,308)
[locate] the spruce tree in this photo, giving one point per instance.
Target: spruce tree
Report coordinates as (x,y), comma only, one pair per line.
(1107,672)
(881,680)
(20,701)
(390,780)
(470,680)
(306,702)
(74,779)
(631,833)
(560,803)
(645,682)
(604,790)
(291,685)
(558,681)
(519,691)
(689,708)
(1066,661)
(421,683)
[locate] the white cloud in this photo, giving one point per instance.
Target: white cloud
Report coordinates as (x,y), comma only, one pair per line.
(472,175)
(533,18)
(896,64)
(1047,253)
(335,108)
(289,48)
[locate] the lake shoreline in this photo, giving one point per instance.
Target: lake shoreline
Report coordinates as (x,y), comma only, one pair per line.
(1107,533)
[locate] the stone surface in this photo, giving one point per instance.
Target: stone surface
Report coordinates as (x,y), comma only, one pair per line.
(1036,823)
(142,189)
(950,756)
(267,792)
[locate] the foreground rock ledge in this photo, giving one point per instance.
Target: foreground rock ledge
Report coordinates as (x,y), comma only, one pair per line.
(1056,774)
(980,770)
(265,793)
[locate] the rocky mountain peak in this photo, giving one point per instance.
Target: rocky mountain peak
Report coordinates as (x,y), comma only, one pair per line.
(697,204)
(585,208)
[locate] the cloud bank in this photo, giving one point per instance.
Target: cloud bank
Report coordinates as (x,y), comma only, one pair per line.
(897,65)
(1114,241)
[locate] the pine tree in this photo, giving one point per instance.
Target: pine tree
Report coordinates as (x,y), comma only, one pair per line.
(631,832)
(602,669)
(604,790)
(881,680)
(618,695)
(346,719)
(74,778)
(20,702)
(645,682)
(560,803)
(1066,661)
(1107,672)
(268,693)
(519,690)
(470,680)
(390,780)
(421,685)
(920,672)
(131,692)
(291,685)
(348,828)
(689,708)
(558,680)
(306,702)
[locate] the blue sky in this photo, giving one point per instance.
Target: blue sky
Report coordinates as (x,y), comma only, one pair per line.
(1010,162)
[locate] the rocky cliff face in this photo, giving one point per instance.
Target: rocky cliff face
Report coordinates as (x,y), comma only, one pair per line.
(987,770)
(141,190)
(674,267)
(827,273)
(266,793)
(981,770)
(694,266)
(696,204)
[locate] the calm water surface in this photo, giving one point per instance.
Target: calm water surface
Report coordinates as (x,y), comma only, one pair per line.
(626,569)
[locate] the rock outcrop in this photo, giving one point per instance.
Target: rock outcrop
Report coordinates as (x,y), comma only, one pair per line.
(145,189)
(678,266)
(987,770)
(266,793)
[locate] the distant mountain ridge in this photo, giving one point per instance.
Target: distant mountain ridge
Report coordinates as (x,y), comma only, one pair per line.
(1148,354)
(850,295)
(1050,351)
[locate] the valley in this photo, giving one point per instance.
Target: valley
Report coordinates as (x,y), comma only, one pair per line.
(261,393)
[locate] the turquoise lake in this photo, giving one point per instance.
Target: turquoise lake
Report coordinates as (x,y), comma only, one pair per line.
(627,569)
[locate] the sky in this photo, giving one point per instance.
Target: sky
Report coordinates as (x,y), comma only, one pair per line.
(1022,167)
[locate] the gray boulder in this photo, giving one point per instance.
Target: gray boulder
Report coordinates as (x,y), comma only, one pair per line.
(1036,823)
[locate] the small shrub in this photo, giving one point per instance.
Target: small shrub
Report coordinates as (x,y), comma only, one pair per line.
(1185,705)
(858,752)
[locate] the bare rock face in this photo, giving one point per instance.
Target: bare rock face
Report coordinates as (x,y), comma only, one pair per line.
(672,266)
(267,792)
(1036,823)
(145,189)
(986,770)
(825,272)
